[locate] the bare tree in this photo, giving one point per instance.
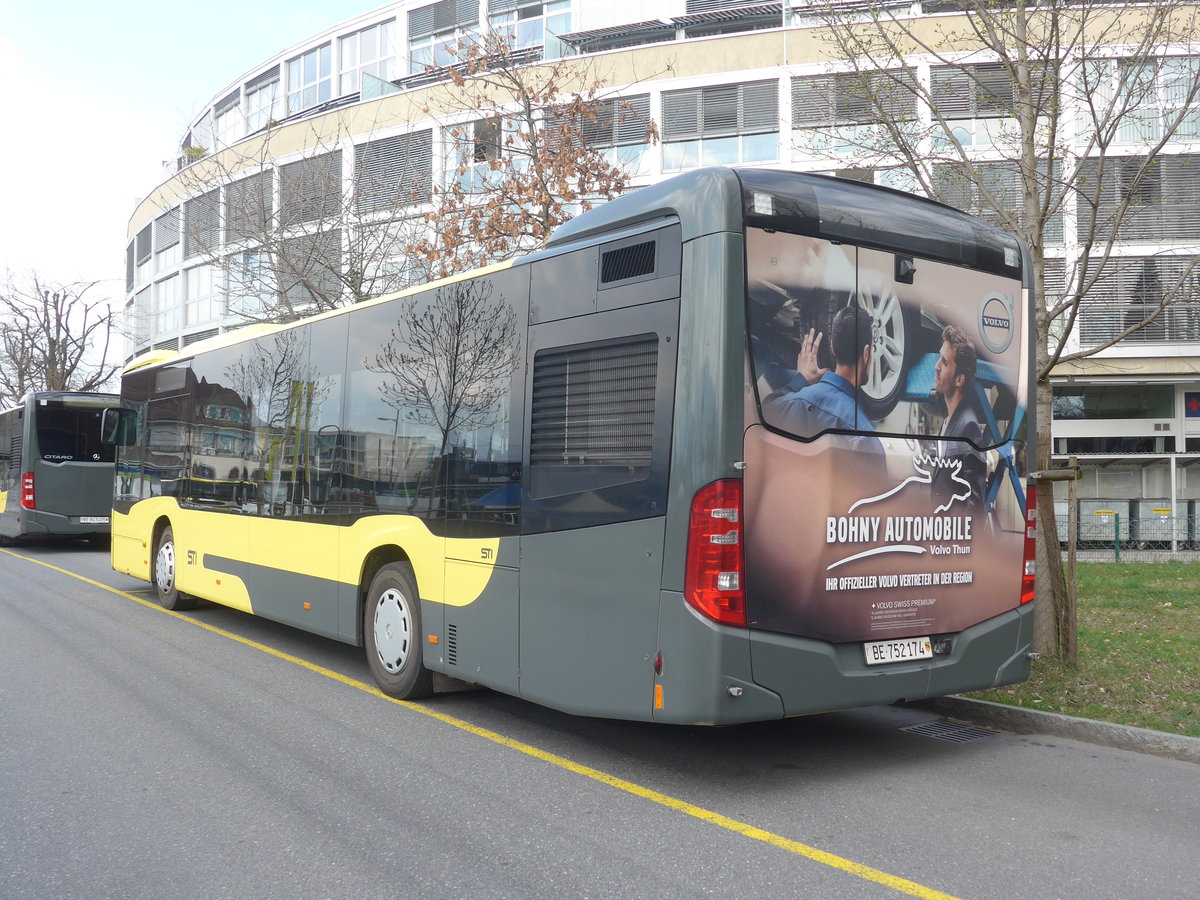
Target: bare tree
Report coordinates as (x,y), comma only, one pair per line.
(301,238)
(532,147)
(297,239)
(55,337)
(1047,120)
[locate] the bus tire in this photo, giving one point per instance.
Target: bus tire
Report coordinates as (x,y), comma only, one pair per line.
(163,574)
(392,634)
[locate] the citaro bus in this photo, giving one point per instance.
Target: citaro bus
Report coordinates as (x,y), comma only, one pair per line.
(740,445)
(56,472)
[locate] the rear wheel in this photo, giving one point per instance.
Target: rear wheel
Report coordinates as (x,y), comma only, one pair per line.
(391,632)
(169,596)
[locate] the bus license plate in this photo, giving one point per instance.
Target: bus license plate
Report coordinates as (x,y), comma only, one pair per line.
(898,651)
(93,520)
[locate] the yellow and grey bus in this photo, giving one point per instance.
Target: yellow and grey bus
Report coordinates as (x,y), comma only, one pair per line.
(56,473)
(740,445)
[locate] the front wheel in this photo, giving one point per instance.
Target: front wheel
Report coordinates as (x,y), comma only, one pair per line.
(391,632)
(169,596)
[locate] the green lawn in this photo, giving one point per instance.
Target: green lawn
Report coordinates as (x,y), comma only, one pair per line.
(1139,651)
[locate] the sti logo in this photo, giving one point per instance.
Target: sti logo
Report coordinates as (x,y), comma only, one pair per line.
(995,322)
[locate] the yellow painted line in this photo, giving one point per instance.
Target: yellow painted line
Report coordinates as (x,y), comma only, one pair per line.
(850,867)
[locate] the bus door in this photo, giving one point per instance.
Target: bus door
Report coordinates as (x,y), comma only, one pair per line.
(601,370)
(882,499)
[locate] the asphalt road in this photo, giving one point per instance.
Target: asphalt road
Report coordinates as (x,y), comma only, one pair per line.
(211,754)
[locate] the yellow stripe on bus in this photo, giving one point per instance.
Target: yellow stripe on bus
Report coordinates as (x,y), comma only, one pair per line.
(896,883)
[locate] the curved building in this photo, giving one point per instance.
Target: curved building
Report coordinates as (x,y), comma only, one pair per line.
(336,143)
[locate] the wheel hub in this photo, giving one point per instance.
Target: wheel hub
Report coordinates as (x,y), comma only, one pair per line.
(393,630)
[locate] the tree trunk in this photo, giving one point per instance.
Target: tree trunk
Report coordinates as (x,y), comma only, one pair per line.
(1051,581)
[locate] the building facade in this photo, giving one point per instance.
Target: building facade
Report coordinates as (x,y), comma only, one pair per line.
(726,82)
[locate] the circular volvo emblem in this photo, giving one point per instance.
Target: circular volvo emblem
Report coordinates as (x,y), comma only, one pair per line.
(995,322)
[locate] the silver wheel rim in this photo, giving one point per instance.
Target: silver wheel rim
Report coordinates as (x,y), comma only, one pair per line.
(393,630)
(887,341)
(164,568)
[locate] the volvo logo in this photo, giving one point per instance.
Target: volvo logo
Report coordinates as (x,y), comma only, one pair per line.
(995,322)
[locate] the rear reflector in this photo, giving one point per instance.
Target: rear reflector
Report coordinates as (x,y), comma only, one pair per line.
(713,582)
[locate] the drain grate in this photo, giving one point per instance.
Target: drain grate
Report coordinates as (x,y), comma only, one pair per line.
(954,732)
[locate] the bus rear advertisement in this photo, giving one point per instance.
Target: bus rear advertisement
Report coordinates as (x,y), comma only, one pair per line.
(740,445)
(55,471)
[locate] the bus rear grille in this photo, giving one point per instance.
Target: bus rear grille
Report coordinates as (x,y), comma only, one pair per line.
(452,645)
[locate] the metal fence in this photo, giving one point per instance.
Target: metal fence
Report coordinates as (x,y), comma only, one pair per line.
(1144,535)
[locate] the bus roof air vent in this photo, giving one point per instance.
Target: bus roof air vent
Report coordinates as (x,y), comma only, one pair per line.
(623,263)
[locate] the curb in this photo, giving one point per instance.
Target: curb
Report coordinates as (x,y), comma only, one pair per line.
(1020,720)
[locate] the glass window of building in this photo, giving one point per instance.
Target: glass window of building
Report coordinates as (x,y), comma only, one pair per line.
(252,283)
(622,127)
(434,32)
(840,113)
(311,189)
(203,301)
(264,100)
(393,172)
(1154,93)
(1114,401)
(309,81)
(371,51)
(166,305)
(228,122)
(721,125)
(201,218)
(532,23)
(166,241)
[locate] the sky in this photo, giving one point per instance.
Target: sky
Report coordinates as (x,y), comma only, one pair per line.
(96,96)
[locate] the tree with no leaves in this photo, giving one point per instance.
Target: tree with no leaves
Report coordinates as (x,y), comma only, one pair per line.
(534,152)
(1043,119)
(55,338)
(298,239)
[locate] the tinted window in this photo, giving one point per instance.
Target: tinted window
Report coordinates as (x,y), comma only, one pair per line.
(429,416)
(71,435)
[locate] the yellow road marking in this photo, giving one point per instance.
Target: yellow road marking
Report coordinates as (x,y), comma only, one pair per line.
(868,873)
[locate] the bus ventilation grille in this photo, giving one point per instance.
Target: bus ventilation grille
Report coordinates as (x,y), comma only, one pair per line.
(627,262)
(452,645)
(954,732)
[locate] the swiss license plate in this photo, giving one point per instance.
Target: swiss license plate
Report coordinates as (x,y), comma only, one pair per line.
(93,520)
(898,651)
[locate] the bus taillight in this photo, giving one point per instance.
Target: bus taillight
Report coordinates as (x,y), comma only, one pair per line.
(1027,578)
(714,581)
(27,500)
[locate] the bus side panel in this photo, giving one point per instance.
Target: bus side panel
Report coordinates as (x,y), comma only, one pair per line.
(814,676)
(131,543)
(478,642)
(706,676)
(589,618)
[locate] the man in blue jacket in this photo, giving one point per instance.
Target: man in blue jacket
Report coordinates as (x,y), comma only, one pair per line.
(817,400)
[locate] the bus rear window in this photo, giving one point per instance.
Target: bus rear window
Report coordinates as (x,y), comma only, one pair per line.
(862,341)
(71,435)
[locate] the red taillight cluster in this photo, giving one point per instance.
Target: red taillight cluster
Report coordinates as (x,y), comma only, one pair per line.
(27,500)
(714,582)
(1027,578)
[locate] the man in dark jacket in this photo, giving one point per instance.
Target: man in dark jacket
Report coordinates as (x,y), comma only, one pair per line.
(954,379)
